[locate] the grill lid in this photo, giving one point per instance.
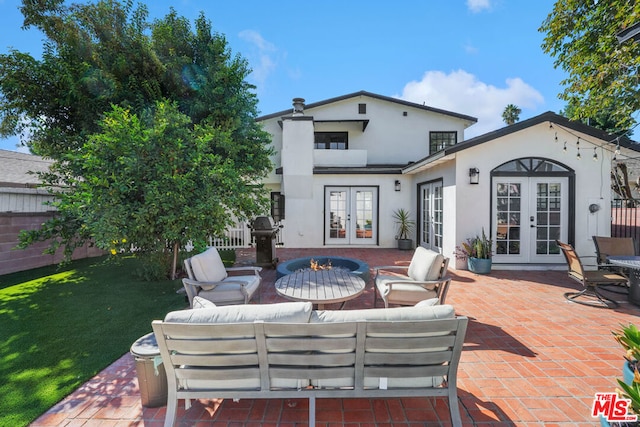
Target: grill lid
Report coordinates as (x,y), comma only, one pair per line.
(263,223)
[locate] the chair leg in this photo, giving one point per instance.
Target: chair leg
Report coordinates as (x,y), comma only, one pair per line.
(593,298)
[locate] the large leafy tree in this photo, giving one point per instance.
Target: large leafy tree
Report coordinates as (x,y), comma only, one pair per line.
(126,108)
(602,72)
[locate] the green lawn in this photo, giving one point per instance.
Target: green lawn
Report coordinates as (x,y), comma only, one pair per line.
(58,328)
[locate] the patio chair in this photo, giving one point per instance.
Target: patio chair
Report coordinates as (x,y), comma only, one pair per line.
(590,280)
(424,278)
(209,279)
(614,246)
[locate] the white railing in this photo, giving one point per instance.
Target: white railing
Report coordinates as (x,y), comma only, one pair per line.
(237,237)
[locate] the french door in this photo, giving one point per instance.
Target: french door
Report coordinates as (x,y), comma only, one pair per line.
(529,214)
(351,215)
(431,216)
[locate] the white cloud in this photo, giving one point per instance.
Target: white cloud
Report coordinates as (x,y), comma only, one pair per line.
(263,57)
(470,49)
(477,6)
(462,92)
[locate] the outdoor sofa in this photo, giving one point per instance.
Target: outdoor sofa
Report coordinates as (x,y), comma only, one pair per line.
(289,350)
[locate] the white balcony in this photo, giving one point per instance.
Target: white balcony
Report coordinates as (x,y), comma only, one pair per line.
(339,158)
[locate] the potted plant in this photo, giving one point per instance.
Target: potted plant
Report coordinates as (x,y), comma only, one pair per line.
(629,338)
(478,251)
(405,224)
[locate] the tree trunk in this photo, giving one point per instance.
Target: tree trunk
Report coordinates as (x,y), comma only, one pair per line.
(174,264)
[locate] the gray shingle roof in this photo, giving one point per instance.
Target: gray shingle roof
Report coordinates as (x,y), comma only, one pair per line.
(15,168)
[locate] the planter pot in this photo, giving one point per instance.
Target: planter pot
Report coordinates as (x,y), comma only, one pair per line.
(627,373)
(479,265)
(627,377)
(405,244)
(461,264)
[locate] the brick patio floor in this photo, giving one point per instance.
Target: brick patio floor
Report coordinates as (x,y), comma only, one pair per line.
(531,358)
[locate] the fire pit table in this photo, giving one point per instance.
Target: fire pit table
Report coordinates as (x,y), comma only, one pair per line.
(320,287)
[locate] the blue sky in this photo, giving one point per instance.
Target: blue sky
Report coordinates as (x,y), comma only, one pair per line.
(468,56)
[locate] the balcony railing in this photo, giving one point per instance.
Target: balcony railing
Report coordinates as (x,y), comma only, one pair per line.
(337,158)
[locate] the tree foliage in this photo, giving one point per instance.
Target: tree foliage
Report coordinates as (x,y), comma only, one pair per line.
(602,72)
(511,114)
(151,125)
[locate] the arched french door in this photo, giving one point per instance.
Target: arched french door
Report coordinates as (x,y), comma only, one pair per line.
(531,203)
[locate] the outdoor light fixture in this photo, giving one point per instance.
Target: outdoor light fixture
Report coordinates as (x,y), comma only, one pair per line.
(398,185)
(474,175)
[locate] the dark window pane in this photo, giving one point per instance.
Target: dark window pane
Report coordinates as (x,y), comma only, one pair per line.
(440,140)
(331,140)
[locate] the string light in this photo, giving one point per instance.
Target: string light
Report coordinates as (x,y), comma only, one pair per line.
(595,154)
(608,145)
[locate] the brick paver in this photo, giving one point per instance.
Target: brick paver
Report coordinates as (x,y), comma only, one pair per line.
(530,359)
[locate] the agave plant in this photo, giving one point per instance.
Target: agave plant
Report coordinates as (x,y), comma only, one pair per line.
(629,339)
(478,246)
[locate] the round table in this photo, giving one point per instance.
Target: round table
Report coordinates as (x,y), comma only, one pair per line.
(320,287)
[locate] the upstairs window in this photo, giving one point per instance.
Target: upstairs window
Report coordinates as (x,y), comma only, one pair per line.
(441,140)
(331,141)
(277,206)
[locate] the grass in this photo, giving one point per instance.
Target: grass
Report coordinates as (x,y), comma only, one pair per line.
(58,328)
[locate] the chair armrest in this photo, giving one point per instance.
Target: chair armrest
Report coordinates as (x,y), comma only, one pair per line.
(441,288)
(197,284)
(255,270)
(377,269)
(417,282)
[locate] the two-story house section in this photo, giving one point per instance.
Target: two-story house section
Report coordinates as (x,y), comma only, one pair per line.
(339,163)
(344,165)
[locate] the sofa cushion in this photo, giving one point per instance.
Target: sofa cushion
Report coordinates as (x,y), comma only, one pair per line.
(425,265)
(293,312)
(398,313)
(199,302)
(208,266)
(405,293)
(428,302)
(229,293)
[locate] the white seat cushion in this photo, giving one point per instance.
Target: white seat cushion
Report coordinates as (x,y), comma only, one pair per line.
(383,314)
(230,293)
(405,293)
(425,265)
(294,312)
(208,266)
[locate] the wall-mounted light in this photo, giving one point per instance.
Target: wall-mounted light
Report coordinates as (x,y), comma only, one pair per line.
(474,175)
(397,185)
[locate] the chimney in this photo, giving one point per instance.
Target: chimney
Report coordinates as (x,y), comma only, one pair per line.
(298,106)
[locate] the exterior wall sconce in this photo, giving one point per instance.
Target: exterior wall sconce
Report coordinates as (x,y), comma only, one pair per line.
(474,175)
(397,185)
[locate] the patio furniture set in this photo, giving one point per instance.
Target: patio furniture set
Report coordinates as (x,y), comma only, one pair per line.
(223,348)
(618,271)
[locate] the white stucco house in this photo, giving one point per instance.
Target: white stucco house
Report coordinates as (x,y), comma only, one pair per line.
(345,164)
